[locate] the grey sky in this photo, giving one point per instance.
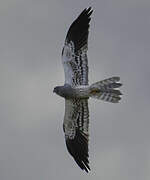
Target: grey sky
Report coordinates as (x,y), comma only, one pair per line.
(32,143)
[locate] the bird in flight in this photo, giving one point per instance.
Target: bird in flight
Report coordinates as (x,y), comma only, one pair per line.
(77,91)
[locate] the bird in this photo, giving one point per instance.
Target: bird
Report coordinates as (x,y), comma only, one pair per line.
(76,90)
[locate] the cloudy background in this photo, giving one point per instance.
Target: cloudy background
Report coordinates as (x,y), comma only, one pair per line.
(32,143)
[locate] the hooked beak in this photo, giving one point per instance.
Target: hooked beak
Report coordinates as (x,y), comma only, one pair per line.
(54,90)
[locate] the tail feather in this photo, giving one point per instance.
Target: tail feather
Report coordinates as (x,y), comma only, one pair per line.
(106,90)
(113,85)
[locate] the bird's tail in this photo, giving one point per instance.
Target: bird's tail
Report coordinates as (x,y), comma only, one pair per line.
(106,90)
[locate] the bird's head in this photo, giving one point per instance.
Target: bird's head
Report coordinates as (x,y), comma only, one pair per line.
(62,91)
(56,89)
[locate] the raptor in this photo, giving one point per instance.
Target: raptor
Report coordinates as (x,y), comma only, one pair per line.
(76,91)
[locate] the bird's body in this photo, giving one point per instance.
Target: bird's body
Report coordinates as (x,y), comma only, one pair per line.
(69,92)
(77,91)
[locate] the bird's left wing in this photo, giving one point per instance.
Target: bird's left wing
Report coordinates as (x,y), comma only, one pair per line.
(74,53)
(76,125)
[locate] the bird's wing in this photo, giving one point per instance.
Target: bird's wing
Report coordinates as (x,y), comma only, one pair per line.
(74,53)
(76,124)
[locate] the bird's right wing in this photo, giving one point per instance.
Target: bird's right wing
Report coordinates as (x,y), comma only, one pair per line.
(74,54)
(76,125)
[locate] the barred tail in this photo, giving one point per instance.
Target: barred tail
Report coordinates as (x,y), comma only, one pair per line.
(106,90)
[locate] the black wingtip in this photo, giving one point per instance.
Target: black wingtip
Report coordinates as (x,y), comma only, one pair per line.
(78,148)
(88,11)
(79,29)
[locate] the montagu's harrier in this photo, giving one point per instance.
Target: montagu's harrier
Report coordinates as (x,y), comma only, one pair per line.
(76,90)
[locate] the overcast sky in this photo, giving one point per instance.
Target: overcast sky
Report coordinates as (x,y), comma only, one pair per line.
(32,34)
